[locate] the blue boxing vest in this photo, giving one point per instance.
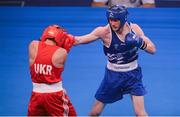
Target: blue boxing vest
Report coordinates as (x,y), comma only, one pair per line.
(118,52)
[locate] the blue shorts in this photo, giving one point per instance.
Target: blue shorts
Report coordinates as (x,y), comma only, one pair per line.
(116,84)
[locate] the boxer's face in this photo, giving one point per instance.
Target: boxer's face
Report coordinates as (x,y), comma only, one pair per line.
(115,24)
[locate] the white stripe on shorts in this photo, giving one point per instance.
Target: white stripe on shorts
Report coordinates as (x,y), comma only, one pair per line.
(122,67)
(65,104)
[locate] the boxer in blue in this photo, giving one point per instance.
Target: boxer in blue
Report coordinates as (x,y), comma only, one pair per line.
(121,41)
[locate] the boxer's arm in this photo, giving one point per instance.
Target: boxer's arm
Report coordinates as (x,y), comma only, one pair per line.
(150,45)
(59,58)
(33,47)
(93,36)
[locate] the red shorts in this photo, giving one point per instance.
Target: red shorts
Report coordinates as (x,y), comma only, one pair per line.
(50,104)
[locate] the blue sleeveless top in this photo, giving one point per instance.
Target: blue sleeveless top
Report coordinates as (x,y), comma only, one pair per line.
(120,53)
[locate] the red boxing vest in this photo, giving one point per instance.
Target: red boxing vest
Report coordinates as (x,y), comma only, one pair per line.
(42,70)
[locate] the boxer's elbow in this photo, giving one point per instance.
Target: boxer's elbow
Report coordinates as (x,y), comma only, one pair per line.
(151,49)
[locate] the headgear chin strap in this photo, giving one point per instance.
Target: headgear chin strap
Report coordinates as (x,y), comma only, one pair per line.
(54,32)
(117,12)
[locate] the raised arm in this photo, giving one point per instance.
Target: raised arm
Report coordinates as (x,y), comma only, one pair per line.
(150,46)
(94,35)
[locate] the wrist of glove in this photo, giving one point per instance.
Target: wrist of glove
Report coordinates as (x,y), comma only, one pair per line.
(68,42)
(134,40)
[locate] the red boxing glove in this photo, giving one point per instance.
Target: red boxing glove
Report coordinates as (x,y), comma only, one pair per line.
(68,42)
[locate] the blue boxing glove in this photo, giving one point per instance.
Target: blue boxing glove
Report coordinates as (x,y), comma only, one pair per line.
(134,40)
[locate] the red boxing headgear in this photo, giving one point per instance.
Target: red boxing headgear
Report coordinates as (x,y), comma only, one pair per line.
(54,32)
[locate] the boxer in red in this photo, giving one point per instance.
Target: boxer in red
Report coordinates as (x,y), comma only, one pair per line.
(46,60)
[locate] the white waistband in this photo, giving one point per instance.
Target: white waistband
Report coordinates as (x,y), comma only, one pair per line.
(47,88)
(122,67)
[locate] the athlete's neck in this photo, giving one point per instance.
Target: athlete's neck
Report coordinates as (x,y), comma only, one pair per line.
(50,42)
(124,29)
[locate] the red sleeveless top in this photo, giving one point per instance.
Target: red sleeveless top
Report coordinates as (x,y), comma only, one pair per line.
(42,70)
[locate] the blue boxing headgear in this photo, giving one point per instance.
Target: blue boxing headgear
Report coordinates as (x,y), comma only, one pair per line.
(117,12)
